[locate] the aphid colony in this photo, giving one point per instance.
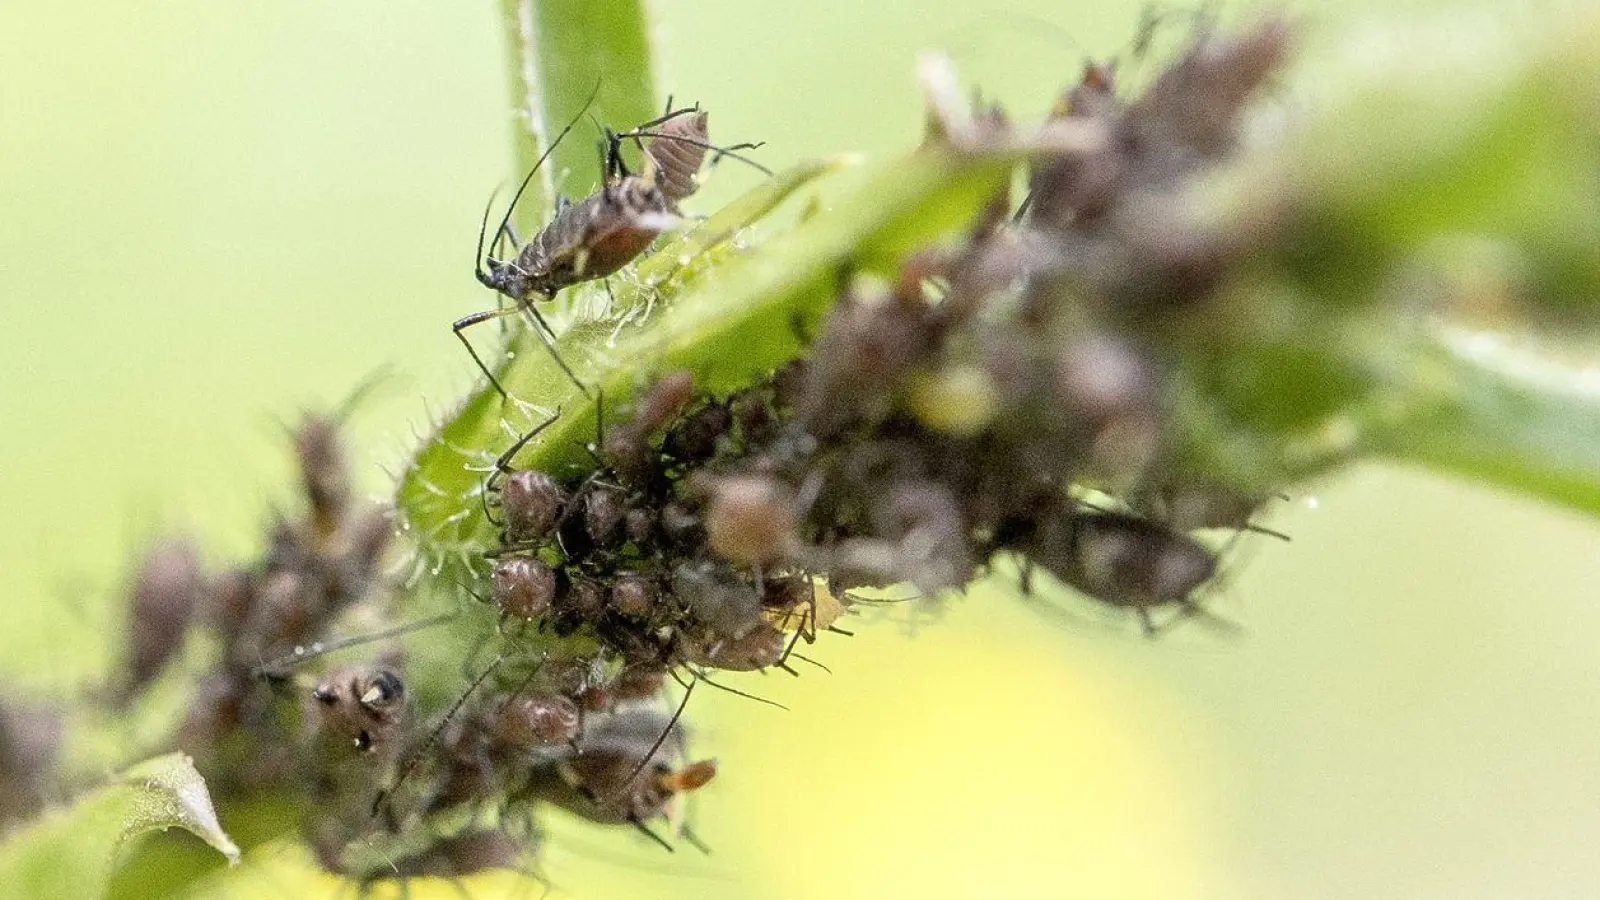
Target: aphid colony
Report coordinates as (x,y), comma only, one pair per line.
(997,398)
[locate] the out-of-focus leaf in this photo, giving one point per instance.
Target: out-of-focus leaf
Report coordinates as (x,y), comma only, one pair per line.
(69,853)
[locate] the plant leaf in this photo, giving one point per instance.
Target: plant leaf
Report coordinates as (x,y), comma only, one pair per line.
(71,852)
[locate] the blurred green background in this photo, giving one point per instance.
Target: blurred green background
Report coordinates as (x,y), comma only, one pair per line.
(214,214)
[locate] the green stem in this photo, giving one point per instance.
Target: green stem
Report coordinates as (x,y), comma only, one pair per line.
(557,52)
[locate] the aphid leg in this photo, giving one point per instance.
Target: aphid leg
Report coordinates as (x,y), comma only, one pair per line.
(627,783)
(645,830)
(379,803)
(547,336)
(701,676)
(462,324)
(1145,623)
(807,659)
(502,463)
(688,834)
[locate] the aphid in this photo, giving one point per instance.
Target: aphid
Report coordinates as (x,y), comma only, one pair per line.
(749,520)
(163,597)
(680,525)
(867,345)
(30,743)
(324,470)
(678,143)
(525,720)
(523,587)
(531,503)
(359,705)
(695,436)
(603,512)
(716,598)
(583,599)
(456,855)
(624,771)
(1127,561)
(626,446)
(586,240)
(760,646)
(633,595)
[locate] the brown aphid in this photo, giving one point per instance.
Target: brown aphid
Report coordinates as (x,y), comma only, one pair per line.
(624,770)
(359,705)
(749,520)
(696,435)
(1126,561)
(639,525)
(457,855)
(162,602)
(324,470)
(583,598)
(677,148)
(868,342)
(680,525)
(590,239)
(531,503)
(633,595)
(30,743)
(716,597)
(527,720)
(760,646)
(626,446)
(603,512)
(523,587)
(638,683)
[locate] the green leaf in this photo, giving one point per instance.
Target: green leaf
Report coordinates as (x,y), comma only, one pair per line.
(1448,175)
(559,51)
(70,853)
(1509,415)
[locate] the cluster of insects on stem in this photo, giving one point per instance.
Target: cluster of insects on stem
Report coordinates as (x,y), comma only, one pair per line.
(1002,396)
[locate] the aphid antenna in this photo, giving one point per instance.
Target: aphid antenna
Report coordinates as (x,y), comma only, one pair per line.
(415,759)
(783,661)
(505,222)
(276,668)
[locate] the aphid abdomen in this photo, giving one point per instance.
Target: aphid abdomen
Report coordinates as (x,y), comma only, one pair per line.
(1127,561)
(676,152)
(596,236)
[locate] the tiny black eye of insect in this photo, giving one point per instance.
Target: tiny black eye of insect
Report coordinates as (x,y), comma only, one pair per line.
(363,741)
(325,695)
